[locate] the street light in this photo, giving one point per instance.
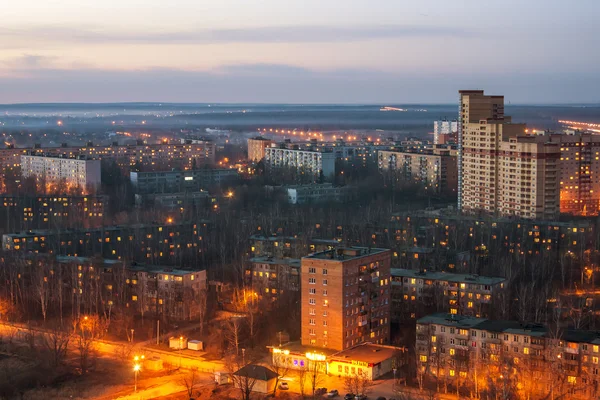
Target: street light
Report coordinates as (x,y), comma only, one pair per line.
(180,348)
(136,370)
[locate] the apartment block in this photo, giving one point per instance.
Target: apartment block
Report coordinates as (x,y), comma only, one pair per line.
(167,292)
(160,291)
(530,359)
(288,246)
(272,277)
(177,181)
(345,297)
(445,131)
(319,193)
(579,172)
(299,165)
(436,170)
(154,243)
(256,148)
(188,154)
(419,293)
(53,171)
(44,212)
(502,170)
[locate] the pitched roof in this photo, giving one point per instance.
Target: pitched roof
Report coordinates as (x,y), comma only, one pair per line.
(257,372)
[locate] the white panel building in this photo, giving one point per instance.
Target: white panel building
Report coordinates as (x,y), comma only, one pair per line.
(307,161)
(78,172)
(443,129)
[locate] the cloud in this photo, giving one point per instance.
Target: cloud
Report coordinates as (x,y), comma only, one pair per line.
(274,34)
(30,61)
(288,84)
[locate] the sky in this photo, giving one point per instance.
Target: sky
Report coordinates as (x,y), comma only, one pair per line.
(298,51)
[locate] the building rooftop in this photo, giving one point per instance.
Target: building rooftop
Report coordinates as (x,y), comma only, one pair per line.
(84,260)
(160,269)
(347,253)
(446,276)
(369,353)
(38,232)
(292,262)
(257,372)
(460,321)
(272,238)
(298,348)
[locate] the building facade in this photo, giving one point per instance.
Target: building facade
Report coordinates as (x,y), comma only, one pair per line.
(272,277)
(154,243)
(45,212)
(436,170)
(256,148)
(181,181)
(182,155)
(81,172)
(319,193)
(503,171)
(304,165)
(345,297)
(419,293)
(445,131)
(579,172)
(528,360)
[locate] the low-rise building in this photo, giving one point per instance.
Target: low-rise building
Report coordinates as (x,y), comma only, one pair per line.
(255,378)
(367,361)
(419,293)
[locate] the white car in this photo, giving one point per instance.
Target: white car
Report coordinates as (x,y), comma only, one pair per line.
(283,386)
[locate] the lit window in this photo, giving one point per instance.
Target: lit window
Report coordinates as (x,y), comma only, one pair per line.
(423,358)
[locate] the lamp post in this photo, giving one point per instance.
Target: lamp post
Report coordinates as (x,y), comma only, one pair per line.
(180,348)
(136,370)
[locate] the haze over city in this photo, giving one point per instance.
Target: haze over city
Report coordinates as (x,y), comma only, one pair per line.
(248,200)
(312,51)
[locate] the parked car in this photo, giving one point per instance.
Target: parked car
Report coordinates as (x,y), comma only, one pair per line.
(283,386)
(349,396)
(381,398)
(361,397)
(320,391)
(333,393)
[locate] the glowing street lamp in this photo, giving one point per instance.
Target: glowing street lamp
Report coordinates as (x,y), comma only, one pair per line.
(136,371)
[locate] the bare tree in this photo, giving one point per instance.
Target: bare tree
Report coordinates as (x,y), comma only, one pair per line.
(56,343)
(281,366)
(316,373)
(190,381)
(242,377)
(232,332)
(358,383)
(201,303)
(41,286)
(88,330)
